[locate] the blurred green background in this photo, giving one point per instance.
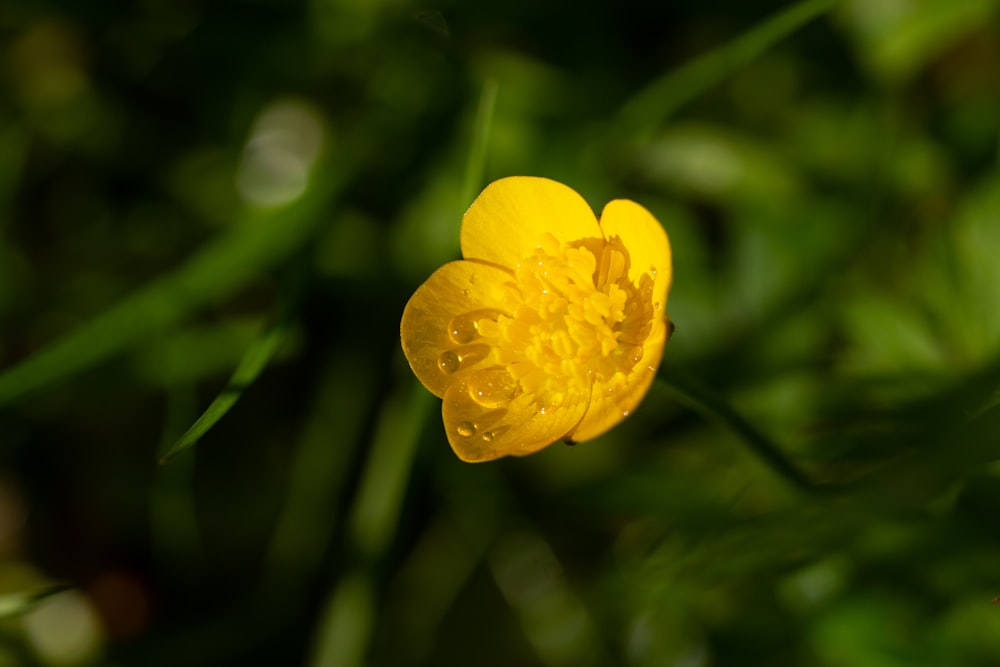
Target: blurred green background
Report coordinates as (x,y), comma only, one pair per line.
(224,205)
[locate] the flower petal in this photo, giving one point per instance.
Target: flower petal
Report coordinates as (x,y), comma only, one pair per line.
(478,433)
(438,330)
(506,222)
(647,243)
(610,402)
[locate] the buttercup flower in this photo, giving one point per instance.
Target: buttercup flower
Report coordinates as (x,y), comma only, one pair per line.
(551,328)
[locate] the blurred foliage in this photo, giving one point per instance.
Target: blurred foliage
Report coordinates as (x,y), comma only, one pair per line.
(231,201)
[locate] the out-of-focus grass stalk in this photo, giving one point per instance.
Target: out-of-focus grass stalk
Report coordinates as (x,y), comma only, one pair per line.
(346,622)
(318,471)
(476,164)
(345,626)
(640,117)
(254,244)
(715,409)
(555,618)
(431,579)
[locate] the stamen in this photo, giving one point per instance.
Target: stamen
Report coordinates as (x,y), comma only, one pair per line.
(570,317)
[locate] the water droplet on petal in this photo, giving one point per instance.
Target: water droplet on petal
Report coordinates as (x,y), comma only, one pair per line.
(625,413)
(468,355)
(449,362)
(466,292)
(462,329)
(466,429)
(492,388)
(488,436)
(652,270)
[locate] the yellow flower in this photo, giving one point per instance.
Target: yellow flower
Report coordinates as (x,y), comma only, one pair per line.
(551,328)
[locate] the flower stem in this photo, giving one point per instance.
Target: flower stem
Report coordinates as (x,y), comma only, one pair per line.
(479,146)
(688,392)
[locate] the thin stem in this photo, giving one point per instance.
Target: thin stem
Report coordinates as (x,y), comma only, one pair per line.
(475,166)
(712,407)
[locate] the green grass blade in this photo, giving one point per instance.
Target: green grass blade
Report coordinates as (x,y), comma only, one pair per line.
(476,164)
(646,111)
(254,360)
(254,244)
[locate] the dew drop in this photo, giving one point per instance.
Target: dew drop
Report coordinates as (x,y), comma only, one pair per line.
(462,329)
(449,362)
(466,429)
(492,388)
(488,436)
(652,270)
(625,413)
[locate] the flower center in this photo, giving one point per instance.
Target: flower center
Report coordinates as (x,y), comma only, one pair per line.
(570,317)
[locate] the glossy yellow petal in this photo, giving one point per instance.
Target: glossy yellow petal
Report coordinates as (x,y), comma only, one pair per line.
(439,329)
(647,245)
(481,430)
(616,398)
(551,328)
(508,219)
